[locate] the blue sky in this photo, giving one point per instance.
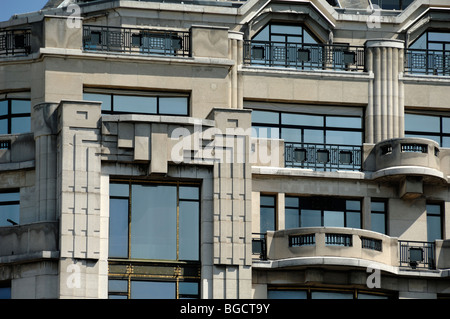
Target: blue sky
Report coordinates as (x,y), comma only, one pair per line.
(10,7)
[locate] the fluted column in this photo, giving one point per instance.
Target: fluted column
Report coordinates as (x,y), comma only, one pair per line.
(384,114)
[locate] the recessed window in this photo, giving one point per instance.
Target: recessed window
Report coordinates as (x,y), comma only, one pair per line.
(160,104)
(434,221)
(267,219)
(152,289)
(378,215)
(9,208)
(434,127)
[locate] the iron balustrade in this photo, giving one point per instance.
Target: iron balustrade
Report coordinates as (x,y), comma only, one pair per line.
(339,240)
(259,245)
(414,148)
(323,156)
(371,243)
(136,41)
(15,42)
(304,56)
(417,254)
(430,62)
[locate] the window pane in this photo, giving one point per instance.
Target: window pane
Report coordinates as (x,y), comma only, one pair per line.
(311,218)
(446,124)
(11,212)
(378,221)
(420,43)
(267,219)
(353,220)
(422,123)
(264,117)
(344,122)
(291,135)
(434,209)
(20,107)
(287,294)
(331,295)
(188,288)
(104,98)
(377,206)
(353,205)
(121,190)
(189,231)
(433,227)
(118,228)
(291,218)
(152,290)
(265,132)
(5,293)
(439,36)
(188,192)
(333,218)
(291,201)
(313,136)
(20,125)
(344,138)
(4,107)
(267,200)
(446,141)
(302,119)
(9,197)
(370,296)
(134,104)
(118,285)
(286,29)
(173,105)
(154,222)
(4,126)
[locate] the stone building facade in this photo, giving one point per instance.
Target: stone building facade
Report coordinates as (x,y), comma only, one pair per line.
(226,149)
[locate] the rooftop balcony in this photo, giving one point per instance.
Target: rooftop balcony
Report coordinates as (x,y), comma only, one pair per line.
(346,247)
(15,42)
(428,62)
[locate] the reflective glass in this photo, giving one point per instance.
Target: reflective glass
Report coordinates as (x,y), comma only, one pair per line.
(291,201)
(378,222)
(134,104)
(344,138)
(5,293)
(118,228)
(20,107)
(173,105)
(353,220)
(446,141)
(446,124)
(436,46)
(263,35)
(353,205)
(152,290)
(4,107)
(20,125)
(188,192)
(311,218)
(4,126)
(377,206)
(187,288)
(302,119)
(291,218)
(287,294)
(422,123)
(11,212)
(331,295)
(267,200)
(313,136)
(371,296)
(286,29)
(9,197)
(434,228)
(121,190)
(104,98)
(420,43)
(189,231)
(265,117)
(154,222)
(118,285)
(267,219)
(439,36)
(291,135)
(265,132)
(333,219)
(433,209)
(308,38)
(344,122)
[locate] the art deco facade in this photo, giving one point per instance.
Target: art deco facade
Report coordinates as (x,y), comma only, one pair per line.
(226,149)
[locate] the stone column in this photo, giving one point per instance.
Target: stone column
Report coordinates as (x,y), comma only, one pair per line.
(385,110)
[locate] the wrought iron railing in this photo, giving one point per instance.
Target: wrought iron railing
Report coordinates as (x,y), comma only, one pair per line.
(15,42)
(304,56)
(323,156)
(136,41)
(302,240)
(417,254)
(372,243)
(431,62)
(339,240)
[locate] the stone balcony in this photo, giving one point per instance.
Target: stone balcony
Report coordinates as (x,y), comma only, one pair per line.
(349,247)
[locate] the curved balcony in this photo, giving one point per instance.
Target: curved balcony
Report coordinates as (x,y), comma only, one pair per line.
(401,157)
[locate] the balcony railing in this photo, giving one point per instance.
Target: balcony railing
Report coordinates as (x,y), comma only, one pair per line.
(304,56)
(15,42)
(136,41)
(430,62)
(326,157)
(416,254)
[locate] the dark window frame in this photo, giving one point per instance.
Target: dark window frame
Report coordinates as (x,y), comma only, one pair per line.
(440,135)
(10,115)
(384,212)
(441,217)
(10,203)
(274,207)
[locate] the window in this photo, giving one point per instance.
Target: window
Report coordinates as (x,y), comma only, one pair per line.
(322,212)
(434,127)
(142,226)
(162,103)
(5,289)
(324,293)
(378,216)
(15,116)
(434,221)
(267,219)
(9,208)
(392,4)
(145,289)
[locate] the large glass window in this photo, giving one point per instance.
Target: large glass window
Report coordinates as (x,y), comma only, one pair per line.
(158,103)
(267,213)
(434,127)
(15,116)
(434,221)
(9,208)
(152,289)
(392,4)
(322,212)
(5,289)
(324,293)
(142,226)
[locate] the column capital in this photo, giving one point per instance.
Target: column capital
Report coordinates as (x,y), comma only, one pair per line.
(385,43)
